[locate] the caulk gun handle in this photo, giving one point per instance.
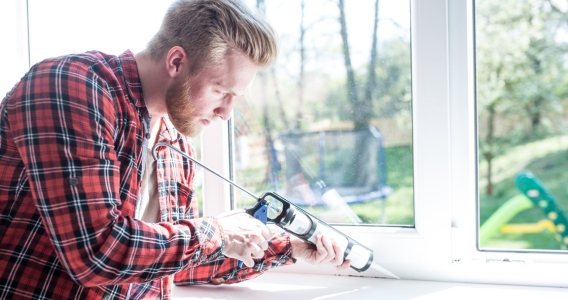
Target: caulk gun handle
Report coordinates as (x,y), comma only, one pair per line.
(260,212)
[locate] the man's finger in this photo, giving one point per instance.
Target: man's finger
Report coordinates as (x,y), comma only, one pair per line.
(320,248)
(264,245)
(344,266)
(258,239)
(327,243)
(248,261)
(253,251)
(266,233)
(338,255)
(256,251)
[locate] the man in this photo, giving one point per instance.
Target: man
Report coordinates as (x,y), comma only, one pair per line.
(86,213)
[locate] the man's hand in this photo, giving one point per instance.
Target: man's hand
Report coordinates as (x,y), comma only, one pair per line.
(245,237)
(326,252)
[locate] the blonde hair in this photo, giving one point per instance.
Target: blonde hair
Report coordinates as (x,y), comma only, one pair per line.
(206,29)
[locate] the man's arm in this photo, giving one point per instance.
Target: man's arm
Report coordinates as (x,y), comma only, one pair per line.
(283,249)
(63,124)
(226,270)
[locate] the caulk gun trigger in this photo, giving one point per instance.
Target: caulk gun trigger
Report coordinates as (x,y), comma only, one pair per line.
(261,214)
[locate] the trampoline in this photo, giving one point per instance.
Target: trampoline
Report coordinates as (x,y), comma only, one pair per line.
(352,162)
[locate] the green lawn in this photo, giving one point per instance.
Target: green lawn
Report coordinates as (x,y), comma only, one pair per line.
(399,205)
(549,167)
(547,159)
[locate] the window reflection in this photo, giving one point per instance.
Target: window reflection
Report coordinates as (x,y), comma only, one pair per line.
(522,110)
(333,113)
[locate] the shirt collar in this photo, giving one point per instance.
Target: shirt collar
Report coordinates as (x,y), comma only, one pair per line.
(168,131)
(134,86)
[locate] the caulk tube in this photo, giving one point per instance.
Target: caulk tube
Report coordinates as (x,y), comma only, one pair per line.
(307,227)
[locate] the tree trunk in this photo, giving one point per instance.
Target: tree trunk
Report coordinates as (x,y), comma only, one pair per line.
(299,111)
(363,148)
(488,153)
(352,95)
(283,116)
(371,79)
(535,112)
(266,125)
(364,142)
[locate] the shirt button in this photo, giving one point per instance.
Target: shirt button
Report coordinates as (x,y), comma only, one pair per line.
(73,181)
(148,135)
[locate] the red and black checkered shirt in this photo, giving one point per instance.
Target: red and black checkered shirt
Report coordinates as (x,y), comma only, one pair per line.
(72,138)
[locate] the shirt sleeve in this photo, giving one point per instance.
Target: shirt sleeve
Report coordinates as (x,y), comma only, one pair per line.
(226,270)
(64,125)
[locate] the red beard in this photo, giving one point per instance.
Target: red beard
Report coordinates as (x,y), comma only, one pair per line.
(180,110)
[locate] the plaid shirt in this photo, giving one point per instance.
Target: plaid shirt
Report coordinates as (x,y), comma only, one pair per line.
(72,138)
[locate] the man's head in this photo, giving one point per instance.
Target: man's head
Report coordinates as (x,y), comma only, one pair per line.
(218,39)
(194,101)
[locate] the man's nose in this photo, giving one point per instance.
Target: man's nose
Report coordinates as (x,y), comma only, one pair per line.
(226,108)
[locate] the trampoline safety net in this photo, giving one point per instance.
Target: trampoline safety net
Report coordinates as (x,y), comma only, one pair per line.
(350,161)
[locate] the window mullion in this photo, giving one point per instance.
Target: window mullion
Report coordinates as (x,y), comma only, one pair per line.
(215,155)
(15,56)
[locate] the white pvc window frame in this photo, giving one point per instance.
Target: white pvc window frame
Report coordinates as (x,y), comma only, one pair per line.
(14,53)
(443,244)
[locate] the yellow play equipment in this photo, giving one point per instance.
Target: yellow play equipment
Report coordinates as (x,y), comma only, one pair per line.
(533,193)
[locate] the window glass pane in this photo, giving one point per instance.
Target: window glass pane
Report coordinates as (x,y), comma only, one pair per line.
(333,116)
(522,123)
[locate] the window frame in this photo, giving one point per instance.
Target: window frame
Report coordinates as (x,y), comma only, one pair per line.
(443,243)
(14,15)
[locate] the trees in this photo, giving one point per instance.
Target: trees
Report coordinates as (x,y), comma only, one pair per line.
(520,63)
(361,107)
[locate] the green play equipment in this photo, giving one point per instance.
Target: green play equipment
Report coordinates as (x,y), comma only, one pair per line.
(533,193)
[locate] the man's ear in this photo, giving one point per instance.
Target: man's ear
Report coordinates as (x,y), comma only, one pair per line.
(176,61)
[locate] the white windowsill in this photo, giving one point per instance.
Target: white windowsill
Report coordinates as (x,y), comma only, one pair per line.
(275,286)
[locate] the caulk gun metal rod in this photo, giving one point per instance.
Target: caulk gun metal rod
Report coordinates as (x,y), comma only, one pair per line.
(155,154)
